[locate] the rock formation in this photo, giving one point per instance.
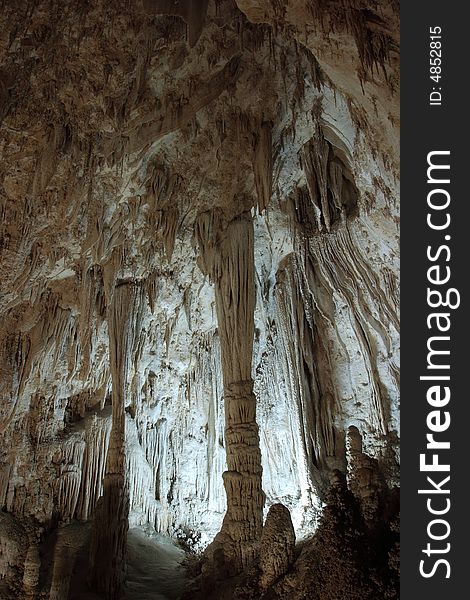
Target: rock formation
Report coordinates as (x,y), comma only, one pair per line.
(108,544)
(228,257)
(364,477)
(199,310)
(277,545)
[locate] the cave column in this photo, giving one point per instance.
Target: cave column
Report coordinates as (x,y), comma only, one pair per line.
(109,533)
(235,303)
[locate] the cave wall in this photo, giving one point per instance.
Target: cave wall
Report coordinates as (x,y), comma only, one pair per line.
(123,124)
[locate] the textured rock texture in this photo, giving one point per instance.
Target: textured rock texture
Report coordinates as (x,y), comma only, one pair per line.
(230,263)
(199,308)
(277,545)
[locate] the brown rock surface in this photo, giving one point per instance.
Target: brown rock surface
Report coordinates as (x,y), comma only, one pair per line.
(277,545)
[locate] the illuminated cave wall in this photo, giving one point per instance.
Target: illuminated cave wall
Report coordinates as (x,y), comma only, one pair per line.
(125,128)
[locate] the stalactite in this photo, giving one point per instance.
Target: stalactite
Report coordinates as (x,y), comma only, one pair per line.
(142,494)
(92,309)
(263,165)
(310,381)
(70,477)
(5,474)
(333,195)
(158,123)
(364,478)
(97,431)
(164,215)
(31,572)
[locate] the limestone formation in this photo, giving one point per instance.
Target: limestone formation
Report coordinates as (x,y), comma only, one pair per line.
(32,567)
(199,309)
(277,545)
(108,543)
(228,256)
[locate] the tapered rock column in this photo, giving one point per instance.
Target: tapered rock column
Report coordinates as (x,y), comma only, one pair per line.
(232,269)
(364,478)
(110,525)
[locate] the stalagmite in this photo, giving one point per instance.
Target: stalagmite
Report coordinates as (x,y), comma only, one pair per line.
(32,566)
(192,11)
(363,477)
(70,477)
(263,165)
(110,525)
(97,432)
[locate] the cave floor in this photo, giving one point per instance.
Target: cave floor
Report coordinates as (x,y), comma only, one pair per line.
(154,570)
